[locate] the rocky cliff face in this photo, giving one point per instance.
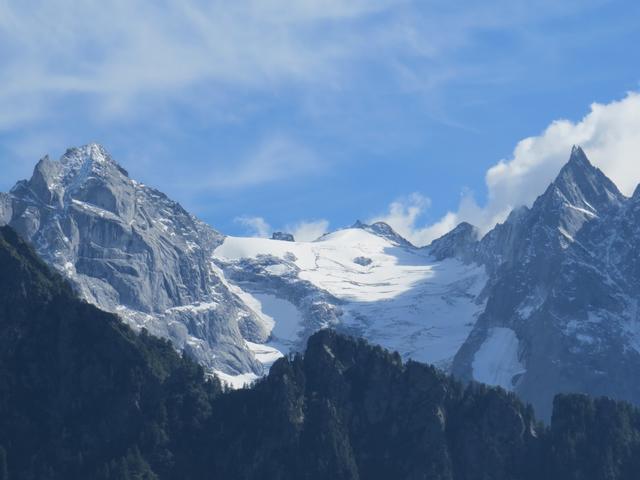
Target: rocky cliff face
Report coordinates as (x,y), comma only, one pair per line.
(286,237)
(564,285)
(129,249)
(5,208)
(459,242)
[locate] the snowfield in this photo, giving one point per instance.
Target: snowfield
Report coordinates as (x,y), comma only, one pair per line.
(393,295)
(497,362)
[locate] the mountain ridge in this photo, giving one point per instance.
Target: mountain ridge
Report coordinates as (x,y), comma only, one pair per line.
(547,284)
(542,303)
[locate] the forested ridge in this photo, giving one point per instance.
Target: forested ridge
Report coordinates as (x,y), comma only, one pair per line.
(84,397)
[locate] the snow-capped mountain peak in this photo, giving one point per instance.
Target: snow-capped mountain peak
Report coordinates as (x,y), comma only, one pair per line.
(131,250)
(578,158)
(77,175)
(92,153)
(561,304)
(582,185)
(80,163)
(579,194)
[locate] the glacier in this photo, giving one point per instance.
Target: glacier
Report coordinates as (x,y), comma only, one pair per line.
(403,298)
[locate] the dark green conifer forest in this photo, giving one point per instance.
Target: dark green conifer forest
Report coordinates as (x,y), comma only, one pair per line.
(84,397)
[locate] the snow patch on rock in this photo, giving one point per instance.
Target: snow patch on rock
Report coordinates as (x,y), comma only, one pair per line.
(497,362)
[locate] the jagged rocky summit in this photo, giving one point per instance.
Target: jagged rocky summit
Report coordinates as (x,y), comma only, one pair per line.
(129,249)
(563,290)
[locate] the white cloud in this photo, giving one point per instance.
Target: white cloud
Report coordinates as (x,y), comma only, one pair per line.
(404,214)
(257,226)
(308,231)
(276,158)
(610,136)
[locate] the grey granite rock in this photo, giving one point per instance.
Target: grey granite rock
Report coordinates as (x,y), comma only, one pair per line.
(566,278)
(6,210)
(459,242)
(287,237)
(131,250)
(364,261)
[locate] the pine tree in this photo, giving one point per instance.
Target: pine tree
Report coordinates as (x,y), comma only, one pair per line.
(4,469)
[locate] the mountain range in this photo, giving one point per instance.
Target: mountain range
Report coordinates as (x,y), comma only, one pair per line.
(544,303)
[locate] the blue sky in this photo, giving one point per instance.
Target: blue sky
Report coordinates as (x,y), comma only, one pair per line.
(307,115)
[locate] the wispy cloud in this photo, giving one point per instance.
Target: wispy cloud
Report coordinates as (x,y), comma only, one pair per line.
(308,230)
(405,216)
(276,158)
(120,55)
(102,64)
(117,54)
(256,226)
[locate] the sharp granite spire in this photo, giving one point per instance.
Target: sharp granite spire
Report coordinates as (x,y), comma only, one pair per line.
(582,185)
